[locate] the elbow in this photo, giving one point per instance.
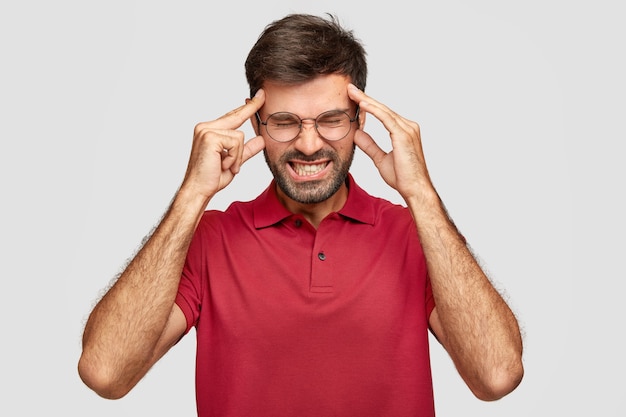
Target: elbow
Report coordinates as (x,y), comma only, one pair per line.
(100,379)
(500,383)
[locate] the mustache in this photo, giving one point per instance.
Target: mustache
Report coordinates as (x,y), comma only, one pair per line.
(321,154)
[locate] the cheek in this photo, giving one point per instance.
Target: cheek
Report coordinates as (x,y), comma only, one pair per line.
(344,146)
(272,150)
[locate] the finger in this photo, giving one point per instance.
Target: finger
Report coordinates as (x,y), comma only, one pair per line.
(368,145)
(392,121)
(360,97)
(252,147)
(229,161)
(237,161)
(235,118)
(229,147)
(245,152)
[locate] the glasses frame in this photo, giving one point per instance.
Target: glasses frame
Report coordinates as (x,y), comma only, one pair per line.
(351,120)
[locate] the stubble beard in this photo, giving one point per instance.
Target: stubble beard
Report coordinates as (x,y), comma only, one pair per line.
(315,191)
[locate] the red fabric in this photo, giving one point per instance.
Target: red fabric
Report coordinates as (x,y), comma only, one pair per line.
(293,321)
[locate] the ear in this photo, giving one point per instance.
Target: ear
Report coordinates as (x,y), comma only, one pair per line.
(361,120)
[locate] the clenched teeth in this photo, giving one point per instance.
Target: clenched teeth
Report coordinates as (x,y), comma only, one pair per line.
(308,169)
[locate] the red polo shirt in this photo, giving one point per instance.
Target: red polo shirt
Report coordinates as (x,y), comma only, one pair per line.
(294,321)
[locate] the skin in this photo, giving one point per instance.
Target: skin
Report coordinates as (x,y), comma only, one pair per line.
(471,319)
(308,100)
(137,321)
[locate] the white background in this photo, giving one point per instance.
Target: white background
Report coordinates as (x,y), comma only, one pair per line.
(522,109)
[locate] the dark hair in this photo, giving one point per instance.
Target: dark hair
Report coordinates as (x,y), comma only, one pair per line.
(299,47)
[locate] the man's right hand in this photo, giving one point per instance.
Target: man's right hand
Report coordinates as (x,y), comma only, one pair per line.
(218,150)
(137,320)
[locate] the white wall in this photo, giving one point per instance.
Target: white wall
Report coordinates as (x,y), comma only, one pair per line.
(522,113)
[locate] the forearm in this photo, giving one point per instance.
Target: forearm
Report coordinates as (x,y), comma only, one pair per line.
(478,329)
(473,322)
(125,326)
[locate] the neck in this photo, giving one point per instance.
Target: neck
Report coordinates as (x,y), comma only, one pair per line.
(314,213)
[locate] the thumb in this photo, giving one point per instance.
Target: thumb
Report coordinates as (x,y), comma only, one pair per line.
(365,142)
(253,147)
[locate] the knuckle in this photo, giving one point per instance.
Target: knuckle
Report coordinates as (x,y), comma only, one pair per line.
(199,128)
(414,126)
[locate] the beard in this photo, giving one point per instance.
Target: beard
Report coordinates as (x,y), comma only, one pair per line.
(315,191)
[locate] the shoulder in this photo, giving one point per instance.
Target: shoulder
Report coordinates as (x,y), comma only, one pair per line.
(237,212)
(380,208)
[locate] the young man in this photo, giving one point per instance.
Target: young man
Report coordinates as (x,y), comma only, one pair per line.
(315,299)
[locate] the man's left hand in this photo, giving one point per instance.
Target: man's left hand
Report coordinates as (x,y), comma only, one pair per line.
(404,167)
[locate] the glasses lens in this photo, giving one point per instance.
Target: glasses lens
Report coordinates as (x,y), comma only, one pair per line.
(283,127)
(333,125)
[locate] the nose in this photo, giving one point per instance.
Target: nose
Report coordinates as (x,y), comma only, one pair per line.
(308,140)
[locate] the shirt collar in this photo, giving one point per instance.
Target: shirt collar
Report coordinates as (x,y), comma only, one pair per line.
(268,210)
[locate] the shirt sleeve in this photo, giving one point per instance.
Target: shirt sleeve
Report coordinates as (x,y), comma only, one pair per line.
(430,299)
(190,289)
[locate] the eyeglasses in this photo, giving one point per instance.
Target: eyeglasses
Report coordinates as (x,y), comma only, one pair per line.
(331,125)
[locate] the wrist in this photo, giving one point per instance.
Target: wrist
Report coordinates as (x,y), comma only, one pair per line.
(427,208)
(189,203)
(424,199)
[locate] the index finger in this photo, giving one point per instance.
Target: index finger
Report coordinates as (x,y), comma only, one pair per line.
(391,120)
(235,118)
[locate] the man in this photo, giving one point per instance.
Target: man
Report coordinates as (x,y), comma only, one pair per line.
(315,299)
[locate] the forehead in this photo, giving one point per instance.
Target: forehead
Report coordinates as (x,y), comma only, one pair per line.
(323,93)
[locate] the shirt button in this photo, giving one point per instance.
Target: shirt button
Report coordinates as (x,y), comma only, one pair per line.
(298,223)
(321,256)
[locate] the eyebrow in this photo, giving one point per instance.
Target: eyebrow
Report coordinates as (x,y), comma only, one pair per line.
(346,110)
